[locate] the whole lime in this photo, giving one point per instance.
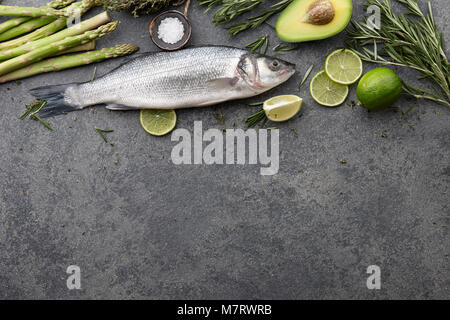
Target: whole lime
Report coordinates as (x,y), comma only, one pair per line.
(379,88)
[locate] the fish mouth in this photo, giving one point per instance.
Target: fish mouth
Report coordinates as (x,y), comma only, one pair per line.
(288,72)
(288,69)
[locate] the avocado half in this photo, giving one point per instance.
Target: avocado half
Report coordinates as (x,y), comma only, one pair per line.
(291,26)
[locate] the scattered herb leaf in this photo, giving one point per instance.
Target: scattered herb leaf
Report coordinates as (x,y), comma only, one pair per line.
(294,130)
(404,114)
(255,104)
(93,74)
(255,118)
(219,117)
(32,109)
(46,124)
(284,47)
(101,133)
(305,77)
(258,44)
(230,9)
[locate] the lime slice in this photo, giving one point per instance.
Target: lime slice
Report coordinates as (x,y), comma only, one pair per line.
(343,66)
(327,92)
(282,108)
(158,122)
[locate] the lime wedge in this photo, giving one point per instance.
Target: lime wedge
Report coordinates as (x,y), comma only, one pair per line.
(158,122)
(327,92)
(282,108)
(343,66)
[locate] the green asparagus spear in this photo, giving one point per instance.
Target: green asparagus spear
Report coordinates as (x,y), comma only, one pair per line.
(84,26)
(72,61)
(84,47)
(59,4)
(16,11)
(43,32)
(25,27)
(52,48)
(12,23)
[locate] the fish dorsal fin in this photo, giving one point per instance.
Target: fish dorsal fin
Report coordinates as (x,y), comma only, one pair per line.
(126,61)
(134,57)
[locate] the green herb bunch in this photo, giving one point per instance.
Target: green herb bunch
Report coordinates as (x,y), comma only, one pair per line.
(412,40)
(137,7)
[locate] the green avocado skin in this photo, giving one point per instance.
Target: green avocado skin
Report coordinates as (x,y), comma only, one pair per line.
(378,89)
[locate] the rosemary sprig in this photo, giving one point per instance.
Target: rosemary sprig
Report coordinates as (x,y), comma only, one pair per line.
(101,133)
(412,41)
(255,104)
(220,117)
(209,3)
(33,107)
(258,44)
(305,77)
(256,21)
(404,114)
(32,110)
(231,9)
(46,124)
(282,48)
(255,118)
(94,73)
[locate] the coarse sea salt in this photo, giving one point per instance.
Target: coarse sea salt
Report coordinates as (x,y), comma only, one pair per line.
(171,30)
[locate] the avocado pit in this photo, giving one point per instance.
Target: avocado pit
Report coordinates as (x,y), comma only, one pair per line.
(320,12)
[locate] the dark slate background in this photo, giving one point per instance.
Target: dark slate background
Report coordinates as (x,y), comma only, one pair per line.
(140,227)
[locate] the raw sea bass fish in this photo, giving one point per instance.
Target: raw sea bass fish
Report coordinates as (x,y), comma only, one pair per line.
(194,77)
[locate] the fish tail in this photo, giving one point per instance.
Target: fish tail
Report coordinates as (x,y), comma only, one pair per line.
(55,98)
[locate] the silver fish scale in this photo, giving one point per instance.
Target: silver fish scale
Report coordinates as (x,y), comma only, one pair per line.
(166,80)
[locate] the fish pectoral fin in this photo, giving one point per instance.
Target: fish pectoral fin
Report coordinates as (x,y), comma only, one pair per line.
(224,83)
(119,107)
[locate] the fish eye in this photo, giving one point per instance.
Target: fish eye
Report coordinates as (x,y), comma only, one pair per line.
(275,65)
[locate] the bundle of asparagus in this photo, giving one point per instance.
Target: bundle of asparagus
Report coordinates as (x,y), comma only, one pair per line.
(36,42)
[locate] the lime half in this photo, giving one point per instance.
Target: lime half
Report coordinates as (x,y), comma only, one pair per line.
(343,66)
(327,92)
(158,122)
(282,108)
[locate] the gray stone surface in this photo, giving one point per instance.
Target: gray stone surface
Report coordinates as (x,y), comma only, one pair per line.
(141,227)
